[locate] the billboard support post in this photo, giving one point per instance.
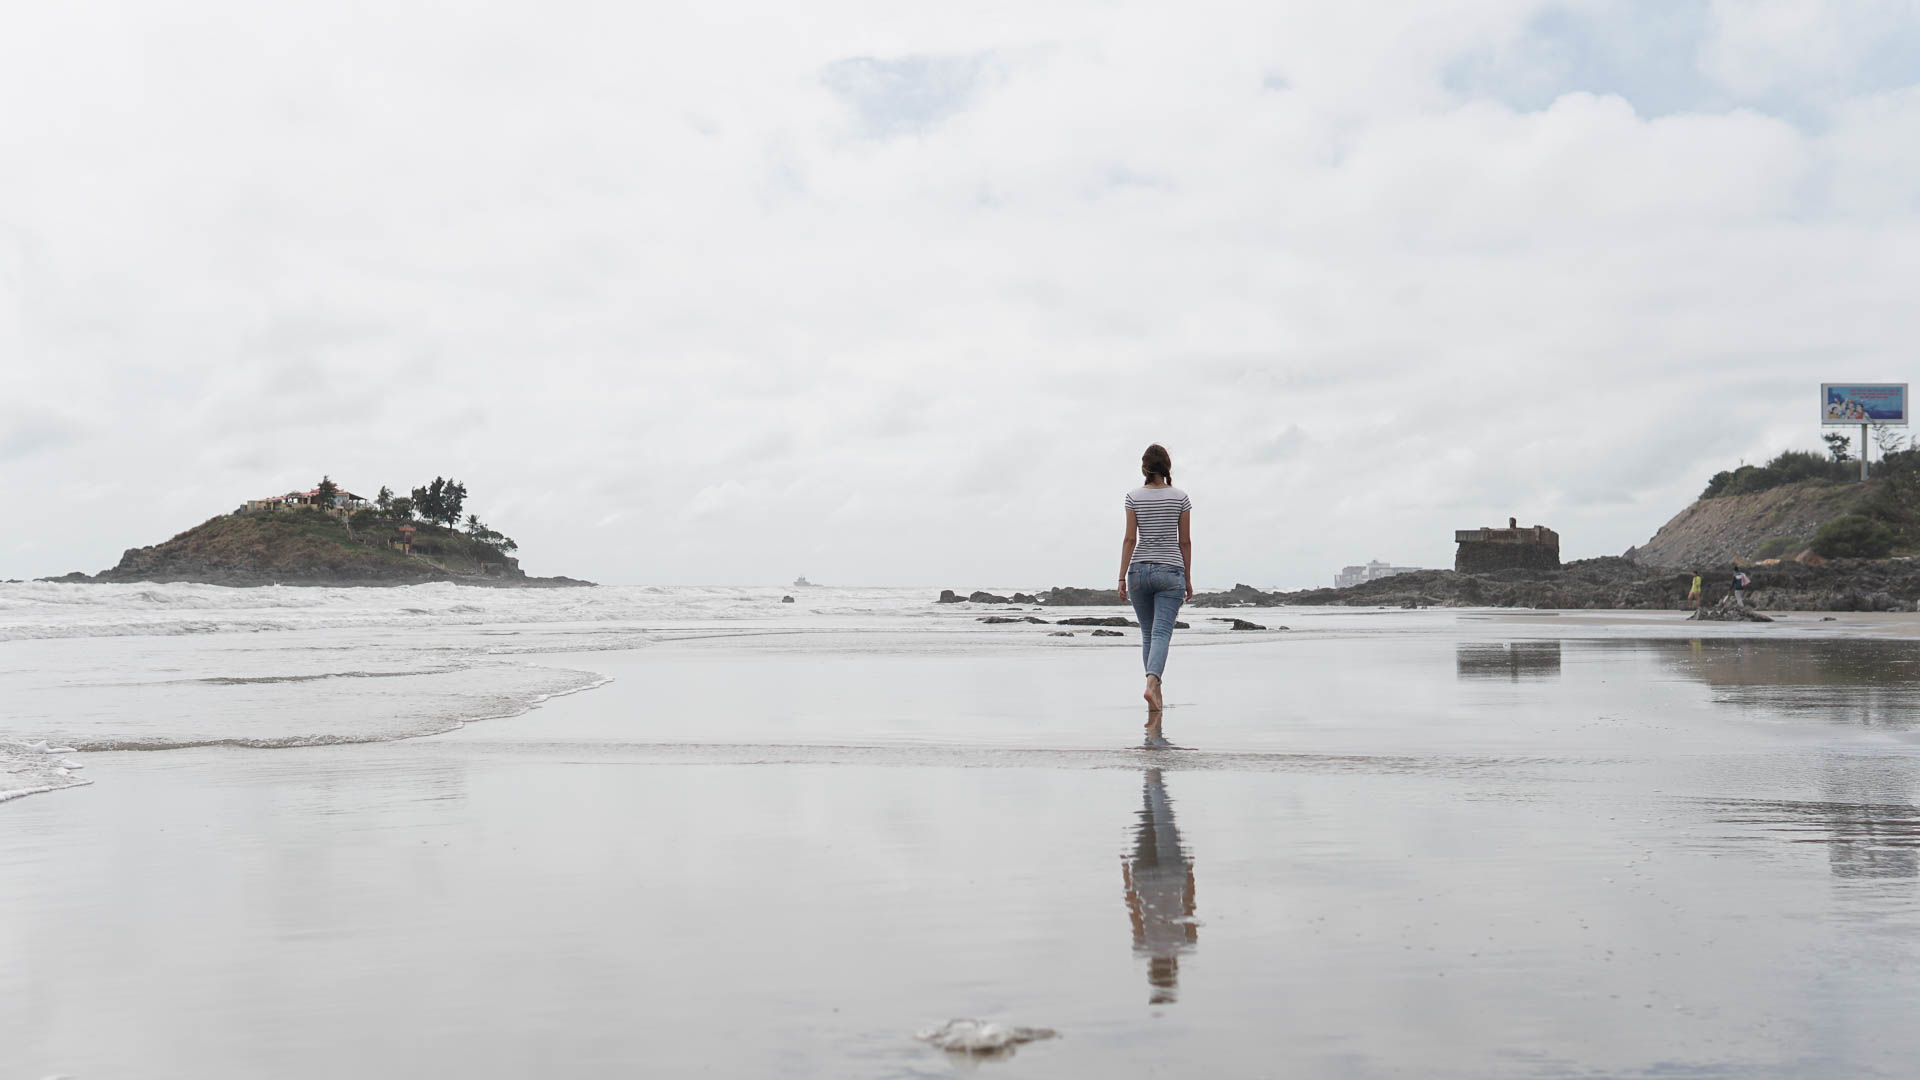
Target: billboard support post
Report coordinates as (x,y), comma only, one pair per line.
(1863,453)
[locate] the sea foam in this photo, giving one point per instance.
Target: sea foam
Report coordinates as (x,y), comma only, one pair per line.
(29,768)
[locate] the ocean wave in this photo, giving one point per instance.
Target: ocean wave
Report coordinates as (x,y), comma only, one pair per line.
(41,610)
(31,768)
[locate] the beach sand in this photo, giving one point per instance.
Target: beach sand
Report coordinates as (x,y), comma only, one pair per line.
(1471,849)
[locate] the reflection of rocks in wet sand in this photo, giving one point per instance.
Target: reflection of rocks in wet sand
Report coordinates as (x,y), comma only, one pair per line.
(1515,660)
(1864,840)
(1867,819)
(1870,683)
(1160,892)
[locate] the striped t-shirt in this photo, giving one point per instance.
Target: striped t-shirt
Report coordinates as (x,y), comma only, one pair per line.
(1158,510)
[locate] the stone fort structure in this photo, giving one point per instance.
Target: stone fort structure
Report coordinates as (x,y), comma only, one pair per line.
(1478,551)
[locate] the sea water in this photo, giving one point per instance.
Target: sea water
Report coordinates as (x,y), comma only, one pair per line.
(87,667)
(160,666)
(785,839)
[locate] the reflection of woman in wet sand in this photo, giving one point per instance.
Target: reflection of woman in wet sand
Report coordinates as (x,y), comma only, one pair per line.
(1156,562)
(1160,897)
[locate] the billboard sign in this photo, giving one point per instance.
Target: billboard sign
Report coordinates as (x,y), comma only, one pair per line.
(1863,403)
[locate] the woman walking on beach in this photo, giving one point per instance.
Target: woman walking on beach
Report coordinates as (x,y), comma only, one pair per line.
(1156,563)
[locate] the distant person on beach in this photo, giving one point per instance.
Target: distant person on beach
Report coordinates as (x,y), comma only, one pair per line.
(1693,594)
(1740,583)
(1156,563)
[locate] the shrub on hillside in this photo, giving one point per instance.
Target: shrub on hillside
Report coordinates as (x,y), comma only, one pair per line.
(1855,536)
(1789,467)
(1775,546)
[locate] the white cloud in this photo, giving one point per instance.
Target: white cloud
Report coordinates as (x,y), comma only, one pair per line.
(901,294)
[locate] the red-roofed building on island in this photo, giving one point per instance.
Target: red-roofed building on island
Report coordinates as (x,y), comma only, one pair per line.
(342,500)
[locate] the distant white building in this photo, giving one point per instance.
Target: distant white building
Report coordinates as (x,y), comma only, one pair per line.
(1358,575)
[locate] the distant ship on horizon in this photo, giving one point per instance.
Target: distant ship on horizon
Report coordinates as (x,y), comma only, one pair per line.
(801,582)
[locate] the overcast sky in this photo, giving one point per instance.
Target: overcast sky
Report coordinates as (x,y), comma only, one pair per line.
(896,293)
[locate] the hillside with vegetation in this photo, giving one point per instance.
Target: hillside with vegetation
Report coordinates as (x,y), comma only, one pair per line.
(1800,505)
(316,538)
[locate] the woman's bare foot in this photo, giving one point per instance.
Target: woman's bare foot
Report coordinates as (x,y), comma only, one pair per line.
(1152,694)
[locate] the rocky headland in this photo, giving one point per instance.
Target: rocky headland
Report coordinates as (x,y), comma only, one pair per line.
(1808,534)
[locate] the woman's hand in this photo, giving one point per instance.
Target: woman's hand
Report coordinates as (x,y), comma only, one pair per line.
(1189,590)
(1123,591)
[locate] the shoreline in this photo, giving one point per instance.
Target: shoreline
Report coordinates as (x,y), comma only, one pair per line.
(1607,583)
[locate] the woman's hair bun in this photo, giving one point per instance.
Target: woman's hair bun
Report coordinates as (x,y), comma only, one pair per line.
(1157,462)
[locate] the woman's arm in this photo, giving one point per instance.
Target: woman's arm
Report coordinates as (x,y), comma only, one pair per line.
(1186,547)
(1126,550)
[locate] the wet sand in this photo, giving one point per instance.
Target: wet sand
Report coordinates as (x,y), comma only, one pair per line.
(1477,851)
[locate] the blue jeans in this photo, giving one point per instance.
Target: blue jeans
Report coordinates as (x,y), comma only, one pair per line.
(1157,591)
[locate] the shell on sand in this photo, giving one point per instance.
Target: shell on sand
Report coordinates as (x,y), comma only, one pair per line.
(981,1036)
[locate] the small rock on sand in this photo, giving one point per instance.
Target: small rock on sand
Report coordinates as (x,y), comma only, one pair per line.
(1108,633)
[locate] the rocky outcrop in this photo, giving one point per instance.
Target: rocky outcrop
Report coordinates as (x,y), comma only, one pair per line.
(1725,612)
(995,619)
(1067,596)
(1242,624)
(310,548)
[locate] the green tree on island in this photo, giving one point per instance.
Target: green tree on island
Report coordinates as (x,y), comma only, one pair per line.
(478,530)
(384,501)
(452,498)
(426,501)
(401,508)
(325,492)
(440,502)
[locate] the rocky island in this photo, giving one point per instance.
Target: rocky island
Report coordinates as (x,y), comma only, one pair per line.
(331,537)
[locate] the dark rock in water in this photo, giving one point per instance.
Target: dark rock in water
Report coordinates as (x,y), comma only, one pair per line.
(947,597)
(1178,625)
(1730,613)
(76,577)
(1108,633)
(1061,633)
(1023,598)
(1239,596)
(1066,596)
(1097,620)
(985,598)
(1242,624)
(786,599)
(1011,618)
